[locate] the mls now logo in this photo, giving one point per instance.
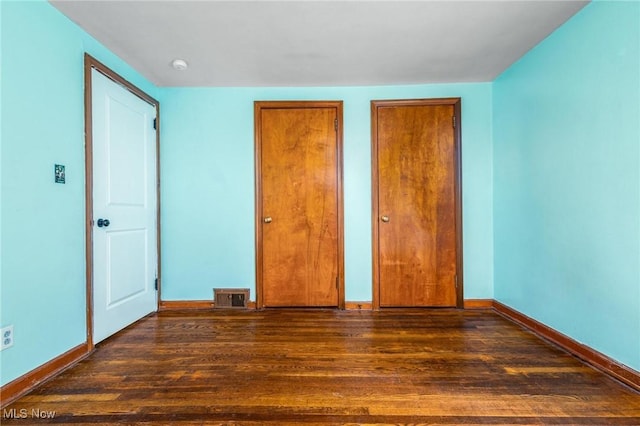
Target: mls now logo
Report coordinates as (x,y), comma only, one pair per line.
(23,413)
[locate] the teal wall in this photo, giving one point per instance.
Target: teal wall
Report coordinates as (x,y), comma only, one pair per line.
(208,187)
(43,267)
(566,181)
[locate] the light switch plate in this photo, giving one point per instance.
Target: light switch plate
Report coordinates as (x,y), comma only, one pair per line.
(59,173)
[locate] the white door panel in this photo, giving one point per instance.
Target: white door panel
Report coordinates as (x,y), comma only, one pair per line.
(127,154)
(124,193)
(126,277)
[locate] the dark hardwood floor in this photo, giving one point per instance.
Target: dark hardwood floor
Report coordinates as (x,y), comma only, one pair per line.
(329,367)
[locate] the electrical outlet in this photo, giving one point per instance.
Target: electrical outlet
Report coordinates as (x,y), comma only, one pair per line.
(6,333)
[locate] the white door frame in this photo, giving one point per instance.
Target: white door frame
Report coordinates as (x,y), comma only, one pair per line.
(89,64)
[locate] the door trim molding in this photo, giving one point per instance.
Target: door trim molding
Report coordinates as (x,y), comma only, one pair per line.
(92,63)
(457,107)
(258,107)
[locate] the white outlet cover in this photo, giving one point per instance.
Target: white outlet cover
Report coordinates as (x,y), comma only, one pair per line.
(6,334)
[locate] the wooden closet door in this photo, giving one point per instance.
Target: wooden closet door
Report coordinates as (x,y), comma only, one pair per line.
(299,220)
(415,222)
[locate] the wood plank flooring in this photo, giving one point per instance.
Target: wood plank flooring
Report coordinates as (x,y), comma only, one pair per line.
(313,367)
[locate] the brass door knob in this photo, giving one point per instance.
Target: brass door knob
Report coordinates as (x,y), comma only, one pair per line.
(267,219)
(384,218)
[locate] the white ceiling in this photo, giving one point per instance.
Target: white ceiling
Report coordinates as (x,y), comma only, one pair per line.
(319,43)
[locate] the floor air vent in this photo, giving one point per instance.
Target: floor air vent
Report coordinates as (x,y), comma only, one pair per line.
(236,298)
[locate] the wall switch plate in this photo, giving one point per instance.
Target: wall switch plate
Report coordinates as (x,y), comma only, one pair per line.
(59,173)
(6,333)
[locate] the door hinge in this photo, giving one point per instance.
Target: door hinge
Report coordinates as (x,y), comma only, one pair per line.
(155,124)
(454,120)
(455,278)
(156,284)
(335,124)
(337,283)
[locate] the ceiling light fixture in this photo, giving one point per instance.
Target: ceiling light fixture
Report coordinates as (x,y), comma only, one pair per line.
(179,64)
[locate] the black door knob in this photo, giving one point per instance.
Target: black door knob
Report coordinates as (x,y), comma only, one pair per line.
(103,222)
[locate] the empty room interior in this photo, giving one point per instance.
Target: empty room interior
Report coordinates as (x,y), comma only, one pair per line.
(320,212)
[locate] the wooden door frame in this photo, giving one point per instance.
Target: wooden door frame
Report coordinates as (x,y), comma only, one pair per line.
(257,109)
(375,213)
(91,63)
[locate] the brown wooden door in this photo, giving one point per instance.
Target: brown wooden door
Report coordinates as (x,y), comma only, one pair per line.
(416,213)
(299,231)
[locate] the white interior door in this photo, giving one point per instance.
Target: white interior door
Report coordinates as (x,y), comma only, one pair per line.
(124,207)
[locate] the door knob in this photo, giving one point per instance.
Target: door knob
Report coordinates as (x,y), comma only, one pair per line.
(103,222)
(267,219)
(384,218)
